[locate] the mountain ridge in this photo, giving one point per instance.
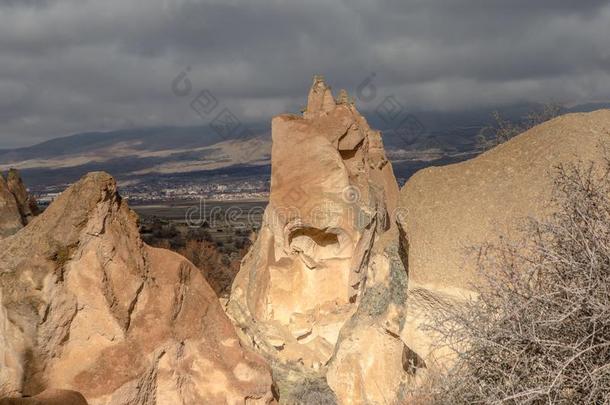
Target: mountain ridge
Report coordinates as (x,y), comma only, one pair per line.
(432,138)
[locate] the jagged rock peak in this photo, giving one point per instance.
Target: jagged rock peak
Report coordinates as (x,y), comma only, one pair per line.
(17,206)
(344,98)
(87,203)
(320,99)
(85,305)
(28,207)
(10,218)
(307,293)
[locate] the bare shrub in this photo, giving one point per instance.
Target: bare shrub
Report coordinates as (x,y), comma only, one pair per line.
(310,392)
(502,129)
(217,267)
(540,331)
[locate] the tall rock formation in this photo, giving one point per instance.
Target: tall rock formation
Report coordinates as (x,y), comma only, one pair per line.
(455,208)
(321,293)
(17,206)
(10,217)
(28,208)
(87,306)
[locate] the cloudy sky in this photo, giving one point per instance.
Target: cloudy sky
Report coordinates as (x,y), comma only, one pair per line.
(68,66)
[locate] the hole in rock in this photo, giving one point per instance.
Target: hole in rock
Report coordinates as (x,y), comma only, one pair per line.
(348,154)
(315,243)
(411,361)
(304,336)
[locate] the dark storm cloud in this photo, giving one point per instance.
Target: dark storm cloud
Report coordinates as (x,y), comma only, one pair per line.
(74,65)
(21,3)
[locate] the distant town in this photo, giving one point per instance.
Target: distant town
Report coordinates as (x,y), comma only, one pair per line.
(161,190)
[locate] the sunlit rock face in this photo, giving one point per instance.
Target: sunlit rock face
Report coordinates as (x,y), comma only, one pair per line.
(17,206)
(85,305)
(28,208)
(322,290)
(10,218)
(455,210)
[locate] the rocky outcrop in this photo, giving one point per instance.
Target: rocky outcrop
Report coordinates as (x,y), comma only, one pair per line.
(49,397)
(10,218)
(17,206)
(452,209)
(28,207)
(321,294)
(87,306)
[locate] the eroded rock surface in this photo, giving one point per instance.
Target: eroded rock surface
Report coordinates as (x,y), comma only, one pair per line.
(454,208)
(28,207)
(87,306)
(49,397)
(321,294)
(17,206)
(10,218)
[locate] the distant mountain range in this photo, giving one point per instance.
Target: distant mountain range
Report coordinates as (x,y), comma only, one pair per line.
(412,141)
(136,154)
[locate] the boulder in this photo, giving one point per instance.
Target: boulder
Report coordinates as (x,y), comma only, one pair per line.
(324,279)
(452,211)
(87,306)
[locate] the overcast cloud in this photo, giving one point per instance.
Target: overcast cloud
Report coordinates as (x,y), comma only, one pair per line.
(74,65)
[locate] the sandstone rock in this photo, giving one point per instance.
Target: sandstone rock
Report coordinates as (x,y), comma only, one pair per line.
(11,356)
(49,397)
(320,99)
(28,207)
(87,306)
(10,217)
(453,208)
(17,206)
(325,274)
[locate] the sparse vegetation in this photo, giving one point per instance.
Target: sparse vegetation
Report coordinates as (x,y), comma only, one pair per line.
(503,129)
(377,298)
(313,391)
(218,267)
(62,254)
(218,259)
(540,331)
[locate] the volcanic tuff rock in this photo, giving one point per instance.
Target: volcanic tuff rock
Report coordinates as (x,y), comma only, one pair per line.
(87,306)
(466,205)
(321,294)
(28,208)
(10,218)
(17,207)
(49,397)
